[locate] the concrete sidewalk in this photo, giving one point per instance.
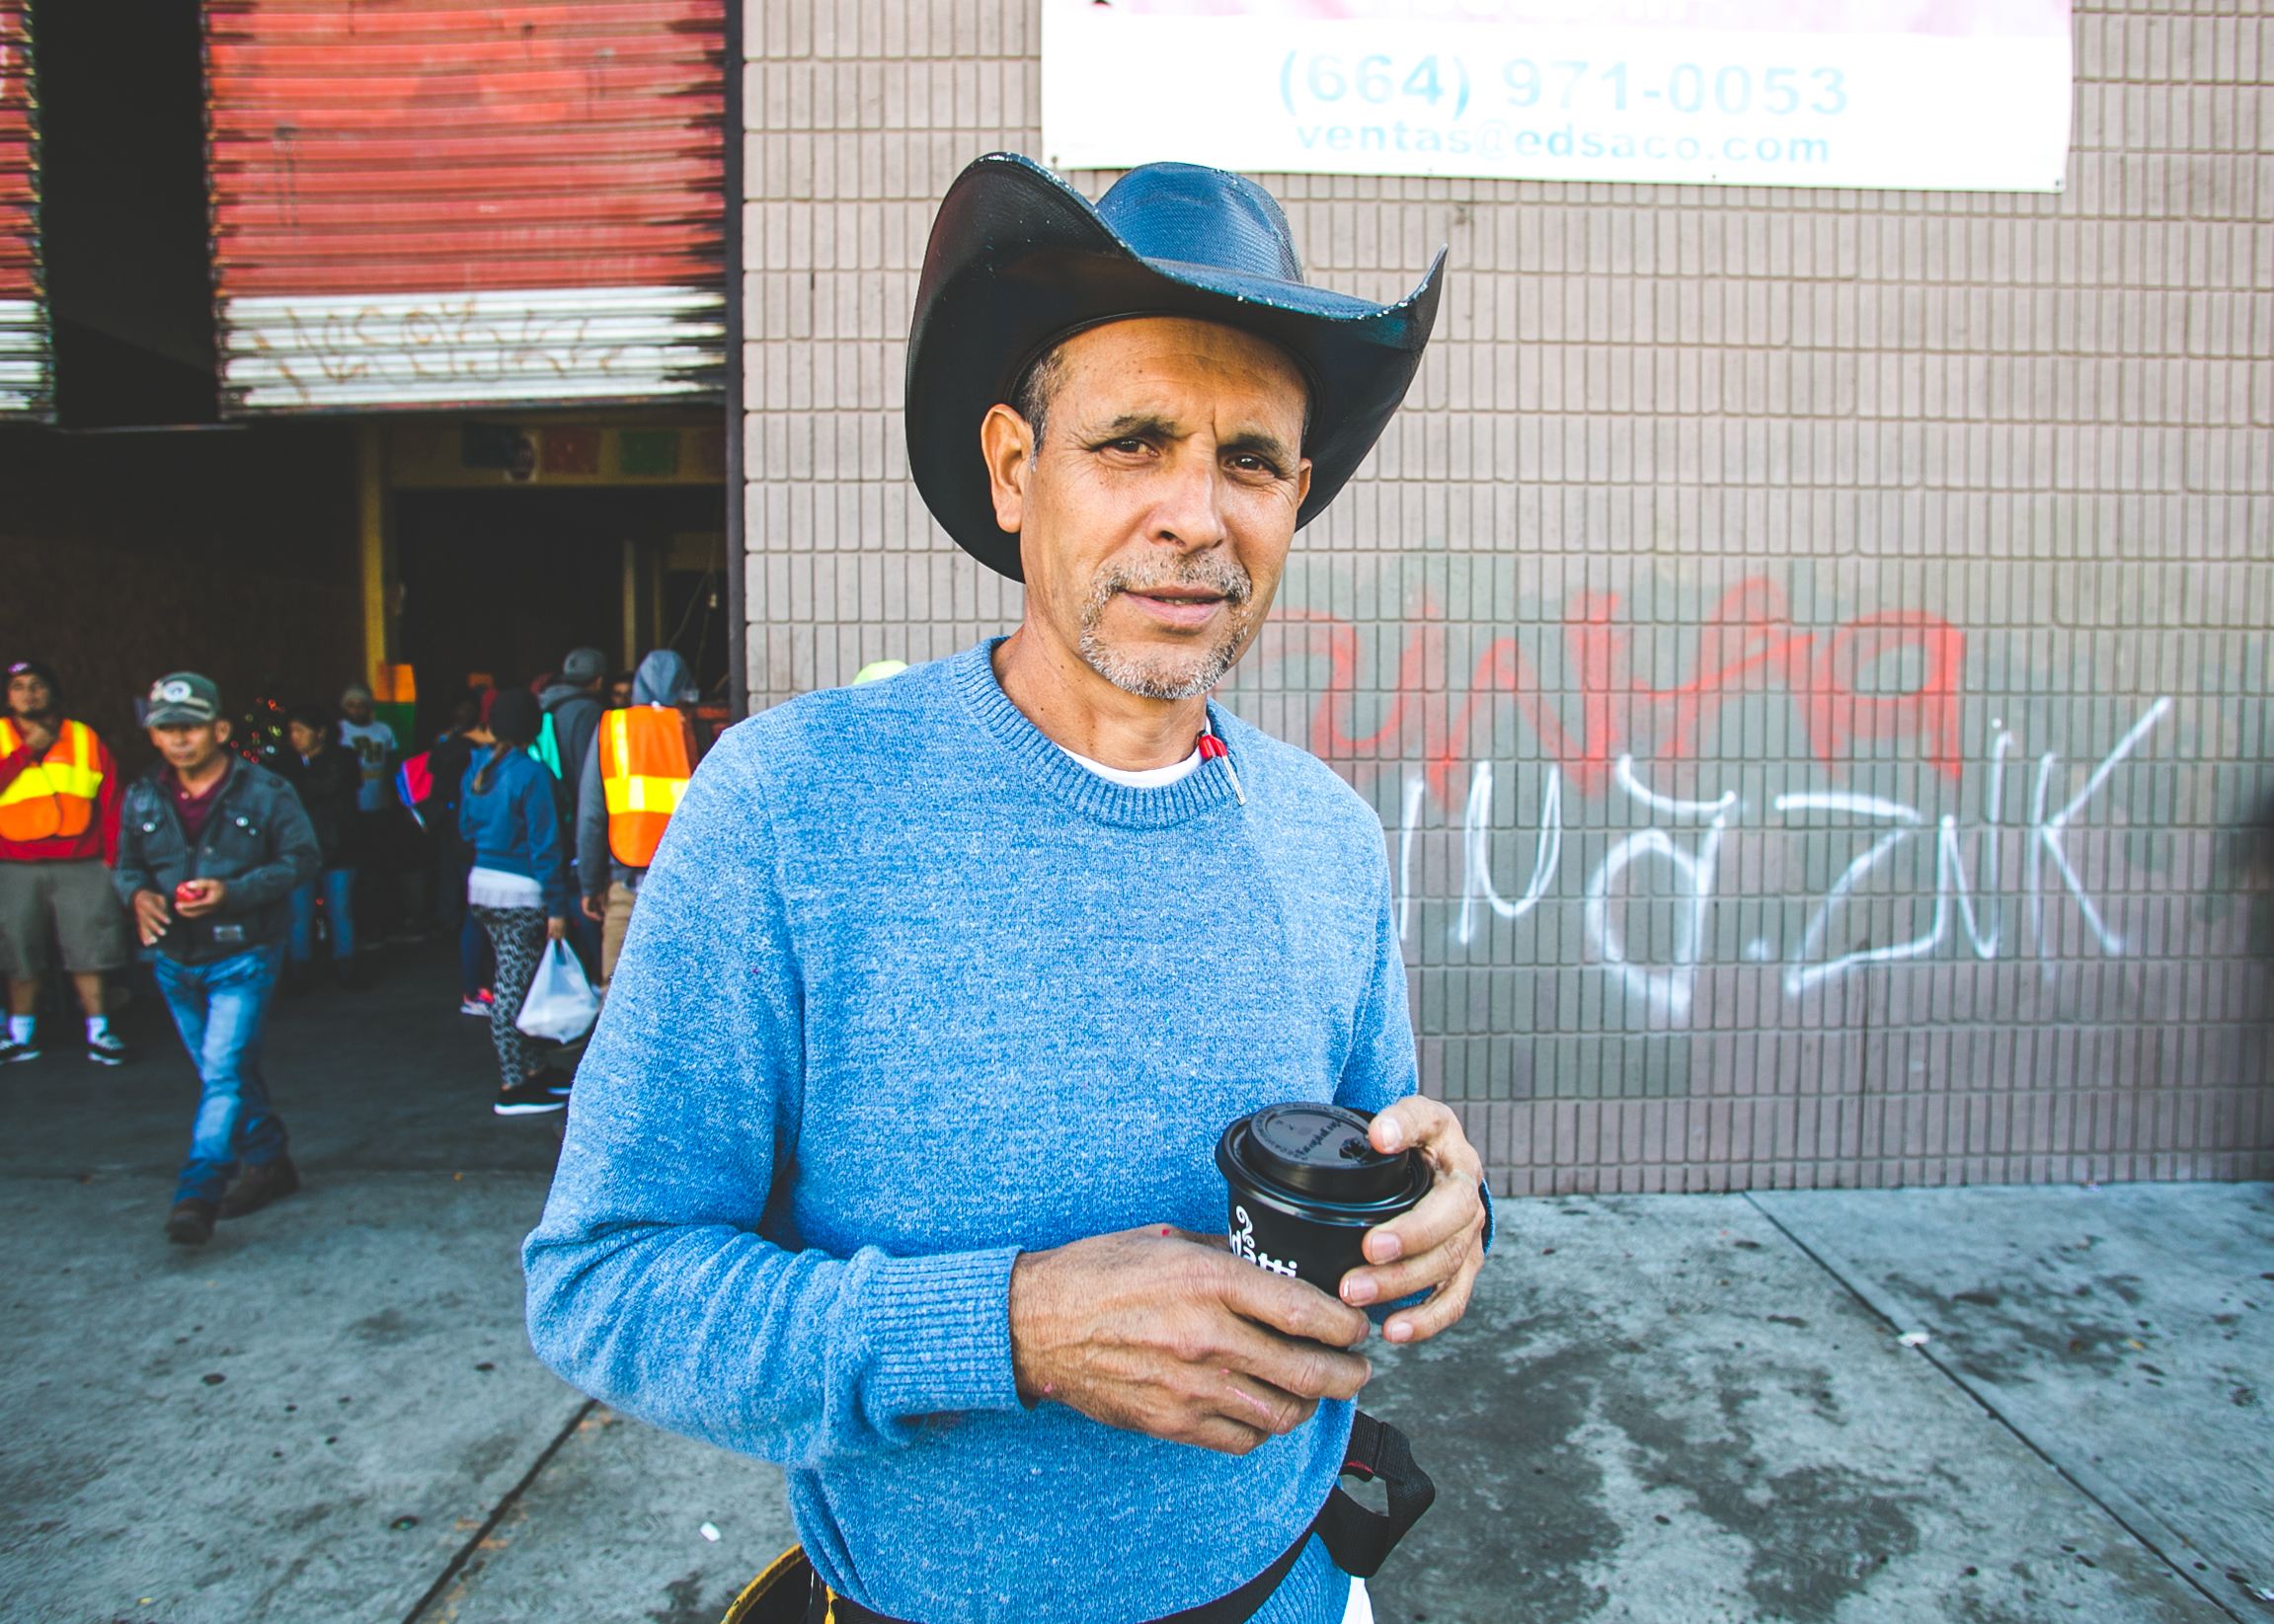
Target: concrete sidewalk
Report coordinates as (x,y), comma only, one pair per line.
(1675,1409)
(1664,1407)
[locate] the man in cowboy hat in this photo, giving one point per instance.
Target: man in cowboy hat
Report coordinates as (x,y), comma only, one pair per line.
(891,1158)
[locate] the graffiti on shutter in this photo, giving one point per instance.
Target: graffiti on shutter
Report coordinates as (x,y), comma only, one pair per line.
(26,369)
(446,202)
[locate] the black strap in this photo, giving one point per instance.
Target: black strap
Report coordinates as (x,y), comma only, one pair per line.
(1246,1602)
(1358,1539)
(1236,1608)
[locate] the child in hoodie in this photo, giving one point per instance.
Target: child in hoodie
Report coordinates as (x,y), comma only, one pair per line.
(517,889)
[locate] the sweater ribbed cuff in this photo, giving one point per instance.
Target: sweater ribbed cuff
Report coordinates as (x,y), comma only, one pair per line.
(940,1330)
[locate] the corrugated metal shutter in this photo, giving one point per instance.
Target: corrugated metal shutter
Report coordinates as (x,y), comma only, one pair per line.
(26,374)
(444,202)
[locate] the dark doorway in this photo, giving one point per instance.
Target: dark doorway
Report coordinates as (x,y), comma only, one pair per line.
(508,581)
(122,213)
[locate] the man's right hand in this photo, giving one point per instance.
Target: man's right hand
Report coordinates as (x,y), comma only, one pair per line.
(152,914)
(38,736)
(1162,1332)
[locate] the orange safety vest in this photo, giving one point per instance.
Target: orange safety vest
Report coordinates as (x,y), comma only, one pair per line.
(644,771)
(57,796)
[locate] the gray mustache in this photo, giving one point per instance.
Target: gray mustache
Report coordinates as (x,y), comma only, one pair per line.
(1217,576)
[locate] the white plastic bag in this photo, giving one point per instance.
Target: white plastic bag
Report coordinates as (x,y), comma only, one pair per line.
(561,1004)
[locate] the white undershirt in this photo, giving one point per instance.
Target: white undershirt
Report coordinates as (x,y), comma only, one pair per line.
(1142,778)
(497,888)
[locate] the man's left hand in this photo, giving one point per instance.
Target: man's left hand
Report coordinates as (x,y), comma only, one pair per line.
(206,898)
(1439,1245)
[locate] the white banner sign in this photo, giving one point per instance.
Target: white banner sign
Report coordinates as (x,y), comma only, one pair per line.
(1942,94)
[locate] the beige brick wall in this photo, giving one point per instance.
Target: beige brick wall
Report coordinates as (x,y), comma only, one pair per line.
(1947,514)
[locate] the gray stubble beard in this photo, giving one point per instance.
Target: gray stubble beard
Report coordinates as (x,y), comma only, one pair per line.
(1159,677)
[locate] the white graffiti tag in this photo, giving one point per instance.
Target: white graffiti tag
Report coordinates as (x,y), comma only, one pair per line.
(1476,850)
(1967,887)
(1667,992)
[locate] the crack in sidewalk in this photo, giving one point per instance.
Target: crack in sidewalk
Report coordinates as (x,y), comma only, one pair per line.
(506,1504)
(1958,1380)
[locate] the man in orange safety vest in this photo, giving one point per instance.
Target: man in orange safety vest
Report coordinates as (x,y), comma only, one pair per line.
(59,799)
(634,775)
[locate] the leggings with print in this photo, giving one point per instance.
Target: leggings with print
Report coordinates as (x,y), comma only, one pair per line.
(517,937)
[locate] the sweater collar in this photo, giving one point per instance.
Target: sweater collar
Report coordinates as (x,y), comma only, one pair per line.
(1039,762)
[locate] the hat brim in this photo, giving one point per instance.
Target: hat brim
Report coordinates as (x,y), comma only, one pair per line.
(177,716)
(1019,260)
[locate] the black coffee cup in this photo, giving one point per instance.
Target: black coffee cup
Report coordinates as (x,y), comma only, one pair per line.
(1306,1186)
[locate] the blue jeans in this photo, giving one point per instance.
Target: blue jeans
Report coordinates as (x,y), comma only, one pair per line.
(219,1009)
(338,905)
(477,965)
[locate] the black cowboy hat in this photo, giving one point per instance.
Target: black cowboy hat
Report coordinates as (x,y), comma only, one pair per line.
(1019,260)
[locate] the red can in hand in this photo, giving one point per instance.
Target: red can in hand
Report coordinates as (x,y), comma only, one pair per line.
(187,890)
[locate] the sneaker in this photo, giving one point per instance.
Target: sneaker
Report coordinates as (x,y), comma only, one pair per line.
(260,1183)
(555,1081)
(109,1049)
(13,1051)
(474,1006)
(529,1099)
(190,1223)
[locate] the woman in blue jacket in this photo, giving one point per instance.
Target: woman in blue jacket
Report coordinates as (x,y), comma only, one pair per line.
(518,888)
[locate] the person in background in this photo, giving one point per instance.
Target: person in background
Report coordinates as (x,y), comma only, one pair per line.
(374,746)
(518,887)
(573,701)
(620,690)
(477,965)
(329,781)
(633,779)
(451,758)
(372,742)
(209,849)
(58,827)
(573,705)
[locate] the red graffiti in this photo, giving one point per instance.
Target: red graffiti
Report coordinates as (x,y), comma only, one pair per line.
(1748,643)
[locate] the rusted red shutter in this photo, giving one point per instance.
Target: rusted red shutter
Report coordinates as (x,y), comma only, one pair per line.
(25,373)
(443,202)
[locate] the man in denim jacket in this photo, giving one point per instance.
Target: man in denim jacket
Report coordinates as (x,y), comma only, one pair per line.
(210,848)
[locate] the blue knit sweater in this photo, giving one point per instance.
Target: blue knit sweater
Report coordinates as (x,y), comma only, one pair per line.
(910,990)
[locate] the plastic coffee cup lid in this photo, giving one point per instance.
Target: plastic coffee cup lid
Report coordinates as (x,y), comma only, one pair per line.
(1322,1150)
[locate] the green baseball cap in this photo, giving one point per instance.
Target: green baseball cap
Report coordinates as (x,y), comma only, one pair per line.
(183,699)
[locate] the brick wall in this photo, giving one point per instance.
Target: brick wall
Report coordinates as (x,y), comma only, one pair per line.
(1807,648)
